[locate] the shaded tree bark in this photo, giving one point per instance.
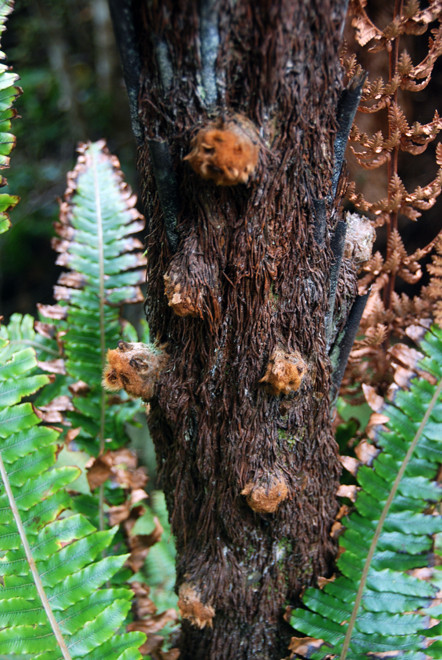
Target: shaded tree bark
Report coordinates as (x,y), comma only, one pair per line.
(249,467)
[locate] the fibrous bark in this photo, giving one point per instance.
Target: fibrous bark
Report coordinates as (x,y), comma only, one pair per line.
(250,469)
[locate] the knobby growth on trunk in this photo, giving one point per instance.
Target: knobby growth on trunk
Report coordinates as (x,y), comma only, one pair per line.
(245,294)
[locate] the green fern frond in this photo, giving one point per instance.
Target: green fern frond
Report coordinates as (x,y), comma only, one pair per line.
(52,570)
(97,222)
(21,332)
(378,604)
(8,93)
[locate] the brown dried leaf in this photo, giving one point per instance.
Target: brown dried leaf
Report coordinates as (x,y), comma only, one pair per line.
(365,29)
(418,332)
(121,467)
(305,646)
(72,280)
(152,646)
(143,604)
(80,388)
(117,514)
(154,623)
(350,464)
(130,244)
(52,311)
(405,356)
(71,435)
(323,581)
(375,336)
(376,422)
(124,457)
(138,495)
(366,452)
(60,245)
(344,510)
(146,539)
(52,412)
(404,65)
(139,544)
(49,417)
(62,292)
(425,68)
(373,399)
(64,231)
(53,366)
(349,491)
(98,473)
(336,530)
(44,329)
(59,403)
(402,377)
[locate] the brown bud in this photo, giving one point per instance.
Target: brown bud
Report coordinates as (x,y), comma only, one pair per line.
(134,367)
(183,303)
(285,372)
(225,151)
(265,495)
(191,607)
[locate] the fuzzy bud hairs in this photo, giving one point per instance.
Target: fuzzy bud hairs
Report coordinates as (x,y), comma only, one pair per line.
(134,367)
(225,151)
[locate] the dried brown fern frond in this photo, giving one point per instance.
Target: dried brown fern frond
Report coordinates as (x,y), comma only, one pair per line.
(433,291)
(377,142)
(408,20)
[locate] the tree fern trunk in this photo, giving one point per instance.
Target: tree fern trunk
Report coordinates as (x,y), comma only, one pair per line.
(250,468)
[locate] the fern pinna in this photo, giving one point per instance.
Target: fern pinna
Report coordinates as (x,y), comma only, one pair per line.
(51,604)
(97,218)
(388,537)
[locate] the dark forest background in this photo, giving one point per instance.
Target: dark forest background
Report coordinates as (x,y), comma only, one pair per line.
(65,54)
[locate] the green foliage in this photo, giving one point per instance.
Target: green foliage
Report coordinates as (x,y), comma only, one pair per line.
(8,93)
(52,562)
(20,331)
(388,536)
(96,223)
(61,50)
(159,568)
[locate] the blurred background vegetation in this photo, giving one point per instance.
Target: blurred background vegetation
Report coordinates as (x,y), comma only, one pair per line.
(65,55)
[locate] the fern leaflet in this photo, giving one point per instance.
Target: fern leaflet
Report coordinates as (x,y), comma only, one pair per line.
(97,219)
(51,601)
(394,611)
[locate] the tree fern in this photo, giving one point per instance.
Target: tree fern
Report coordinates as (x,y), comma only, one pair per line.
(8,93)
(378,604)
(51,605)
